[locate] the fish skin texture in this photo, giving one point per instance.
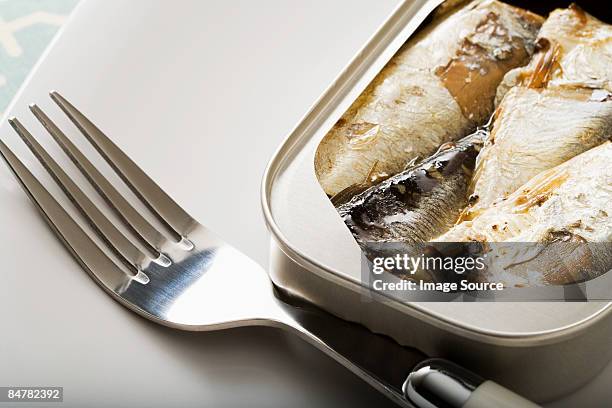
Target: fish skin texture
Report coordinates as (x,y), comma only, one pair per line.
(536,130)
(571,201)
(575,195)
(557,107)
(437,88)
(417,204)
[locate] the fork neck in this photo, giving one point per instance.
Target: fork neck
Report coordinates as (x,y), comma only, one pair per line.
(377,359)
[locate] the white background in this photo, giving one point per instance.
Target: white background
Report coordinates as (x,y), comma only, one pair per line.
(200,94)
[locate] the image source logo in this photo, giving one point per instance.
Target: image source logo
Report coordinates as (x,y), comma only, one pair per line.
(437,271)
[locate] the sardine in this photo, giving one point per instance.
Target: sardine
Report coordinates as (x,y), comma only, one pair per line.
(437,88)
(572,198)
(419,203)
(557,107)
(568,206)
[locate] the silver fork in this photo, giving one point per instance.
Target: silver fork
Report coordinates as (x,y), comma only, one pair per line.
(184,277)
(180,277)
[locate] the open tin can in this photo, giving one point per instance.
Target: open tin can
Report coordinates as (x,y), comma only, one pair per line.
(541,350)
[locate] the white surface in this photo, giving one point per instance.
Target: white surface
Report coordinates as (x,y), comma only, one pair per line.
(229,80)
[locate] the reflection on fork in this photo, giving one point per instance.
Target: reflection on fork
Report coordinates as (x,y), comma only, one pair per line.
(182,275)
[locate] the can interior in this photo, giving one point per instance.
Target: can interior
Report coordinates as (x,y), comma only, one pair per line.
(308,229)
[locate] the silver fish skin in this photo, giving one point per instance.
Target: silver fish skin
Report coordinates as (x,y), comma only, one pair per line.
(557,107)
(419,203)
(437,88)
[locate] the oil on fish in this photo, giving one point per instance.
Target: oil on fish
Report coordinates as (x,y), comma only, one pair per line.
(419,203)
(557,107)
(438,88)
(568,203)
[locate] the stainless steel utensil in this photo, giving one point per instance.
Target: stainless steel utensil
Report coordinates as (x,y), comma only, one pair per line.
(181,275)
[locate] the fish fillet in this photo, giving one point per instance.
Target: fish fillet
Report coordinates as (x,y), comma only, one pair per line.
(417,204)
(571,204)
(557,107)
(575,196)
(437,88)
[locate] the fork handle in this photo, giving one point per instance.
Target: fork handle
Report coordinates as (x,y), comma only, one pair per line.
(403,374)
(377,359)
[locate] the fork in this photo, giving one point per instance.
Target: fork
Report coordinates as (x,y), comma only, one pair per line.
(179,275)
(182,275)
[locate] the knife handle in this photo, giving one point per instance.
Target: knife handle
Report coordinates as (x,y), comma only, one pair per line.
(437,383)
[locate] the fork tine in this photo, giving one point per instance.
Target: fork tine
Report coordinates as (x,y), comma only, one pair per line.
(164,207)
(149,236)
(128,252)
(86,252)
